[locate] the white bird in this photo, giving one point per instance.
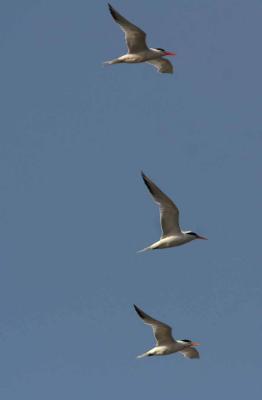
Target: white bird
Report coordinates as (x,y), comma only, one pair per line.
(172,235)
(165,343)
(138,50)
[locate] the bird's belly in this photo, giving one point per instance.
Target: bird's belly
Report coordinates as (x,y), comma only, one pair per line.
(135,58)
(170,241)
(164,350)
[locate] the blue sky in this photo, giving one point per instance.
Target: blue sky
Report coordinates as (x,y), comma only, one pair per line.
(74,210)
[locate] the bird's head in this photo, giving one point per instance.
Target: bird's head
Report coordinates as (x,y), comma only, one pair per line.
(163,52)
(189,343)
(193,235)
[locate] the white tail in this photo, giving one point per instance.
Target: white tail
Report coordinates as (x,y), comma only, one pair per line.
(115,61)
(142,355)
(145,249)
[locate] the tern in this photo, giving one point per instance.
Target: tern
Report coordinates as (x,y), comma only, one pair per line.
(138,51)
(172,235)
(165,343)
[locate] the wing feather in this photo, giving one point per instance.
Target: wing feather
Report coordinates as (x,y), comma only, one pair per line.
(163,65)
(190,352)
(162,332)
(169,213)
(134,36)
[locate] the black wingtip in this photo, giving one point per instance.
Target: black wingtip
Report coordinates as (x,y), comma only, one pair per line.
(112,11)
(145,178)
(146,181)
(139,312)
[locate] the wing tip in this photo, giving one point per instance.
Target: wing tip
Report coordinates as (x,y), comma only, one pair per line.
(143,174)
(147,182)
(144,177)
(110,8)
(194,356)
(112,11)
(139,312)
(197,356)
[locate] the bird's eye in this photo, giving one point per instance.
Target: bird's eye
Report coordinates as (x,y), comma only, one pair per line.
(186,340)
(158,48)
(192,233)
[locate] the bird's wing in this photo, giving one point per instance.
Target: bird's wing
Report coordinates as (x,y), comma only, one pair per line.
(163,65)
(169,213)
(190,352)
(162,332)
(135,37)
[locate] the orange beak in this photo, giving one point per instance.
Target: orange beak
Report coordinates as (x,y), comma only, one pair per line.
(201,237)
(195,344)
(170,53)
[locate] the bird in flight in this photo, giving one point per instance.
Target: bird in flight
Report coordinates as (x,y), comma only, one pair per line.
(165,343)
(138,51)
(172,235)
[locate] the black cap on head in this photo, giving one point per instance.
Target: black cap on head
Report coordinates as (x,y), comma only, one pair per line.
(192,234)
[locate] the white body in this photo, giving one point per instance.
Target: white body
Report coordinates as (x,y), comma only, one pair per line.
(142,56)
(172,235)
(165,350)
(170,241)
(138,51)
(165,343)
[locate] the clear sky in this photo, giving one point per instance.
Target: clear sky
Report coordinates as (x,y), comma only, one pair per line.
(74,136)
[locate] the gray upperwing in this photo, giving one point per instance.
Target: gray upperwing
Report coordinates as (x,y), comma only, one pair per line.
(169,213)
(162,331)
(190,352)
(163,65)
(134,36)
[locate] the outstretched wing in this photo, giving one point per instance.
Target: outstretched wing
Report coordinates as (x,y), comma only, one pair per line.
(162,332)
(169,213)
(190,352)
(163,65)
(134,36)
